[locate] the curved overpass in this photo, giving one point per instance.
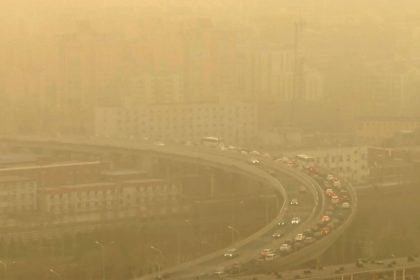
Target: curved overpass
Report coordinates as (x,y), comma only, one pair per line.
(267,172)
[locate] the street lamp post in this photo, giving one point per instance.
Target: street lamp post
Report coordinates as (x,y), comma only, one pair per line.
(157,250)
(178,241)
(55,273)
(102,258)
(233,230)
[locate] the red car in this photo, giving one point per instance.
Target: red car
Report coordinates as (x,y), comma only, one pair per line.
(325,219)
(325,231)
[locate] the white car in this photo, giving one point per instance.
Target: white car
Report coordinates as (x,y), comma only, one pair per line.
(295,221)
(231,253)
(159,144)
(299,237)
(325,219)
(267,155)
(277,235)
(285,247)
(255,153)
(335,199)
(254,161)
(270,257)
(281,224)
(345,205)
(294,202)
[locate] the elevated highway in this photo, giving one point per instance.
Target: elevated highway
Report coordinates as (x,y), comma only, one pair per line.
(267,172)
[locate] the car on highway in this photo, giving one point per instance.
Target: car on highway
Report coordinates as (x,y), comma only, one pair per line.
(282,159)
(335,199)
(282,224)
(253,161)
(337,184)
(219,271)
(256,153)
(302,190)
(295,221)
(270,256)
(345,205)
(309,240)
(285,248)
(277,235)
(329,192)
(325,231)
(299,237)
(325,219)
(345,198)
(294,202)
(267,155)
(159,143)
(266,252)
(231,253)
